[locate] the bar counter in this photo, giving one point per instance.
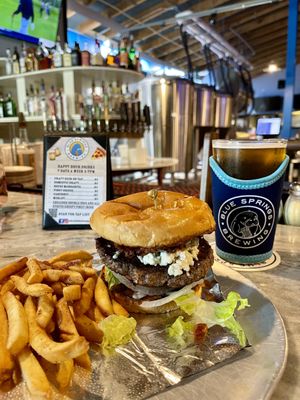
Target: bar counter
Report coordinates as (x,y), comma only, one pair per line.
(21,234)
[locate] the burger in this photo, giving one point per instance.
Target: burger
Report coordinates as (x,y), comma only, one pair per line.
(152,243)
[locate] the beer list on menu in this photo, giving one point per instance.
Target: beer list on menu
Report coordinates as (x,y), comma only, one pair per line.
(75,180)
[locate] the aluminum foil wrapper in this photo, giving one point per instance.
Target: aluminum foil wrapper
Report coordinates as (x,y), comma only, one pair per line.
(150,363)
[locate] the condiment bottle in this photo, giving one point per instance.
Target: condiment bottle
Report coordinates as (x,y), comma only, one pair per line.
(291,212)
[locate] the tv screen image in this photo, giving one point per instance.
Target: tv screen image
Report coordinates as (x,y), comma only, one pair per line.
(30,20)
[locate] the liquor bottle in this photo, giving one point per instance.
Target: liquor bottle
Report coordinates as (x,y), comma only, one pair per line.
(85,56)
(116,97)
(43,103)
(117,58)
(23,59)
(10,109)
(30,101)
(35,61)
(76,55)
(52,107)
(23,135)
(42,56)
(16,61)
(123,54)
(67,57)
(59,109)
(137,65)
(57,56)
(96,57)
(110,60)
(36,102)
(65,111)
(1,106)
(29,61)
(132,54)
(8,63)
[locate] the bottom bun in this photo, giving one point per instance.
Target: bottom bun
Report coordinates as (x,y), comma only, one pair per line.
(136,306)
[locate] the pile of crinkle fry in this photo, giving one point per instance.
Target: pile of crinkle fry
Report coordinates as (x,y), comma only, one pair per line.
(49,312)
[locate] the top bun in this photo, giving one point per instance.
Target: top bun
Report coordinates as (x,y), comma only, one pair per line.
(134,221)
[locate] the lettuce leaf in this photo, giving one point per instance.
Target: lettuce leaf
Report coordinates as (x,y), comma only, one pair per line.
(110,278)
(212,313)
(117,330)
(181,331)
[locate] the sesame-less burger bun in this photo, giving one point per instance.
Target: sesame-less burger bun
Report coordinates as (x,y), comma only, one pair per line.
(134,220)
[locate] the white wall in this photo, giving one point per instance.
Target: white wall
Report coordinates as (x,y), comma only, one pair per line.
(266,85)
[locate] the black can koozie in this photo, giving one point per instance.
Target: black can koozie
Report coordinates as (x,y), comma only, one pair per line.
(246,213)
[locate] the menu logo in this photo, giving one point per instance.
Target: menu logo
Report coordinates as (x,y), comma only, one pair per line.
(77,149)
(246,221)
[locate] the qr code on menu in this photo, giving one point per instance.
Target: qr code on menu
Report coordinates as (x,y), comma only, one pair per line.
(53,212)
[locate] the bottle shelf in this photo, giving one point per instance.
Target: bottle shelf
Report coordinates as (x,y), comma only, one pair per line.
(35,118)
(90,72)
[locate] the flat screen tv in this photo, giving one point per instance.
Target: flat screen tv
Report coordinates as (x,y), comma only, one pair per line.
(30,20)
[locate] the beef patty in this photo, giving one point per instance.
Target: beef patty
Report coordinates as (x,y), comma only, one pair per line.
(128,265)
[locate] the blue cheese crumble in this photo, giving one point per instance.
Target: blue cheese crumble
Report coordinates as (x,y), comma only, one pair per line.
(177,262)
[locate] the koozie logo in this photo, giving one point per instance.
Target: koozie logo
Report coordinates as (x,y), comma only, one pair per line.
(246,221)
(77,149)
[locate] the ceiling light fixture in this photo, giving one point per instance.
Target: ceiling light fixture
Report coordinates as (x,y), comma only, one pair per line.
(271,68)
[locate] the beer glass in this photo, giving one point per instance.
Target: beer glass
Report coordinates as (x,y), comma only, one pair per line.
(247,180)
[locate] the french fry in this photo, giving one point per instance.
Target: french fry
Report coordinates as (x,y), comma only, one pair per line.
(44,264)
(102,298)
(98,314)
(72,255)
(87,294)
(88,328)
(64,319)
(88,264)
(65,373)
(84,361)
(66,264)
(71,278)
(26,275)
(35,290)
(52,351)
(17,324)
(36,275)
(8,286)
(72,292)
(84,271)
(52,275)
(6,361)
(119,309)
(94,313)
(58,288)
(34,375)
(12,268)
(45,310)
(51,326)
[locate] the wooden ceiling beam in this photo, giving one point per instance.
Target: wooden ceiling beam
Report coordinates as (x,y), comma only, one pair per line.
(261,22)
(88,25)
(124,5)
(143,34)
(156,43)
(154,11)
(245,16)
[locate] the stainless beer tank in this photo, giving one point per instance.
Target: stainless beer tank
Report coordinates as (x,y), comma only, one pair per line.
(223,113)
(172,106)
(204,106)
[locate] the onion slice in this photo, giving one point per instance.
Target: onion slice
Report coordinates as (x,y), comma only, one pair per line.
(172,296)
